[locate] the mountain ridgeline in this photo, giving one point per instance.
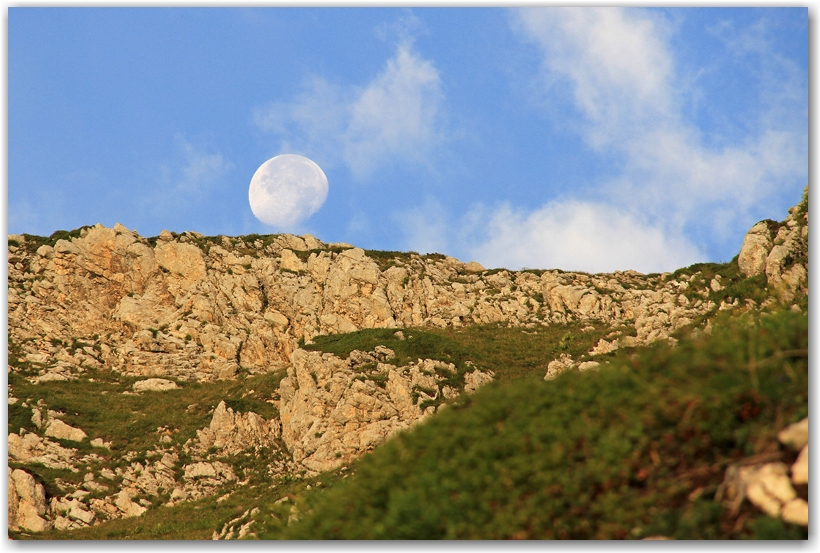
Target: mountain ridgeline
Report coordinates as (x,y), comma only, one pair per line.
(276,386)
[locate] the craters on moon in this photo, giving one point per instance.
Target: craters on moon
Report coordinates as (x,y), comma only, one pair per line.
(287,189)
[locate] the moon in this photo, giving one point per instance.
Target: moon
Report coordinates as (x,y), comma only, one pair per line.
(287,189)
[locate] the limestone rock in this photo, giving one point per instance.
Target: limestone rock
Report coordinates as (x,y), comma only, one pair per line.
(796,511)
(557,366)
(30,448)
(26,502)
(767,486)
(55,428)
(184,260)
(475,379)
(290,262)
(154,385)
(333,410)
(588,365)
(603,346)
(234,432)
(795,436)
(755,250)
(800,468)
(215,470)
(127,506)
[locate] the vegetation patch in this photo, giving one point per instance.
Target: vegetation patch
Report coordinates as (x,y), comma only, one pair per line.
(635,449)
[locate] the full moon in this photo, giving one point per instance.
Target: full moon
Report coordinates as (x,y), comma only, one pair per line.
(287,189)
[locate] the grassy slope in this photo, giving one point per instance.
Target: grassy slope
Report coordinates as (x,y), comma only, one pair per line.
(613,454)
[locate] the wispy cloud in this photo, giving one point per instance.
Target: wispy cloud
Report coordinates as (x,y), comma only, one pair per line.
(186,181)
(396,118)
(425,227)
(199,171)
(619,71)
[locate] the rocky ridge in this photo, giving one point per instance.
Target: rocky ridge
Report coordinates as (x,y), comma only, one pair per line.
(188,308)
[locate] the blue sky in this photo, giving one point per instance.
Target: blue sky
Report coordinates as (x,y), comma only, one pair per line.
(580,139)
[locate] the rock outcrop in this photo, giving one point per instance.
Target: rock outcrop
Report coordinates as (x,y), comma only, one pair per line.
(27,502)
(780,251)
(333,410)
(233,432)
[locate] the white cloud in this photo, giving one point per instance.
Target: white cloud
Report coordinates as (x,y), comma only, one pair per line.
(186,181)
(200,171)
(619,71)
(580,236)
(397,117)
(425,227)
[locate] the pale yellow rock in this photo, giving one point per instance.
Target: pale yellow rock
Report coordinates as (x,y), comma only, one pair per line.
(800,468)
(588,365)
(768,486)
(30,448)
(290,262)
(557,366)
(796,435)
(796,511)
(26,502)
(182,259)
(154,385)
(756,246)
(55,428)
(473,380)
(214,470)
(760,498)
(774,263)
(127,506)
(234,432)
(603,346)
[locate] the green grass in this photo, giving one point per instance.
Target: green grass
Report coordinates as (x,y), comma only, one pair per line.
(197,520)
(130,422)
(609,454)
(509,352)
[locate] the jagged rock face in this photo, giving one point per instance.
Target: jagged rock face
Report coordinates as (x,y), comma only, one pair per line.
(187,308)
(27,502)
(332,411)
(756,246)
(780,251)
(233,432)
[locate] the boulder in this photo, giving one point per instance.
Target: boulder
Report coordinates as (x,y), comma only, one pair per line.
(796,511)
(154,385)
(26,502)
(557,366)
(215,470)
(234,432)
(475,379)
(795,436)
(755,250)
(127,506)
(800,468)
(474,267)
(55,428)
(291,262)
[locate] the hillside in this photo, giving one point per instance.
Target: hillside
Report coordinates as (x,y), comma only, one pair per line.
(185,386)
